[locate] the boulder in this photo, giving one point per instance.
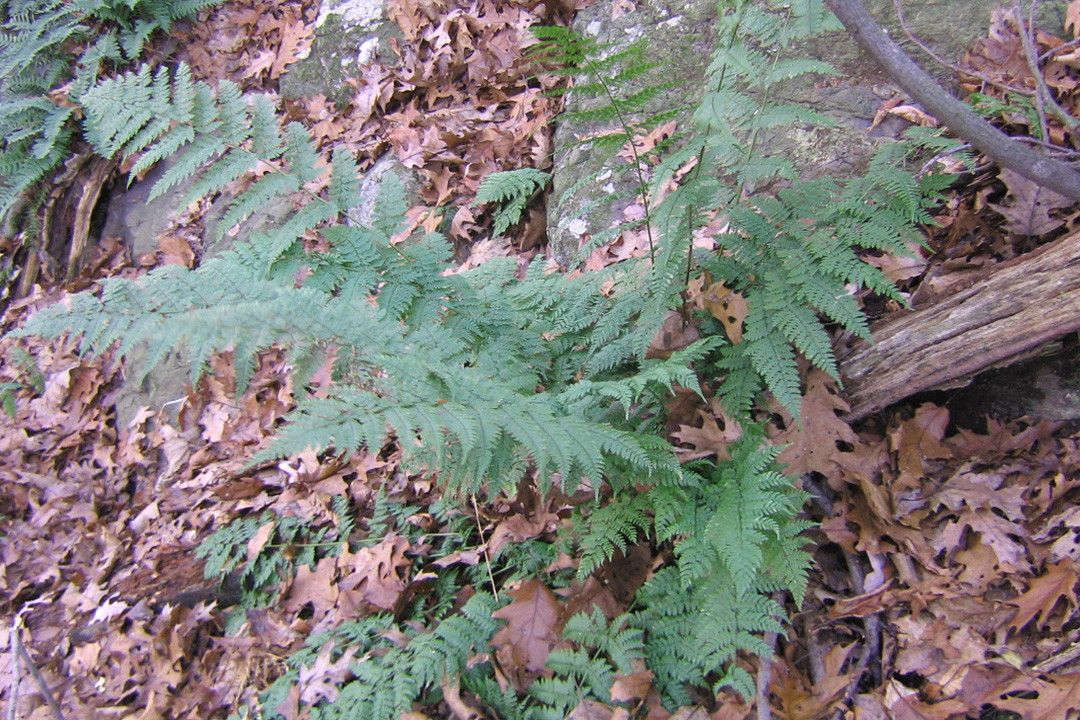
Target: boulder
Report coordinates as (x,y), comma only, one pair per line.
(137,220)
(349,33)
(681,37)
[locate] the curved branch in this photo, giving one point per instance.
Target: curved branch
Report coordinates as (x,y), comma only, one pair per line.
(961,119)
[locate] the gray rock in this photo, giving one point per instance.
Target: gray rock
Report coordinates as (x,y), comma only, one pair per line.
(163,389)
(139,221)
(371,185)
(680,36)
(349,34)
(218,239)
(275,213)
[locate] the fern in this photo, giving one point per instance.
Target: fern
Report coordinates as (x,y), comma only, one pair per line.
(512,190)
(587,670)
(389,674)
(228,547)
(793,256)
(735,538)
(467,406)
(37,67)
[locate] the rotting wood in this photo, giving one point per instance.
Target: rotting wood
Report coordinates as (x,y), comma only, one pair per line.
(996,319)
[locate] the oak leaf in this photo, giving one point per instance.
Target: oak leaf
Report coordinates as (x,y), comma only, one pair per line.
(531,633)
(632,688)
(1029,212)
(994,530)
(727,306)
(1043,595)
(816,444)
(378,574)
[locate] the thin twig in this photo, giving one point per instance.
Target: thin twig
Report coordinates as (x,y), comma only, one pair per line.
(49,699)
(1062,659)
(1044,97)
(961,119)
(1042,92)
(985,79)
(15,643)
(20,652)
(1050,147)
(483,543)
(1049,54)
(764,675)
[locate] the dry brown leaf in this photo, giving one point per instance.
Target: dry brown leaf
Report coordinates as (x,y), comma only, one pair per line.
(819,441)
(714,437)
(1029,211)
(1056,697)
(591,710)
(728,307)
(1043,595)
(917,440)
(914,115)
(377,575)
(993,530)
(675,334)
(532,632)
(1072,18)
(631,688)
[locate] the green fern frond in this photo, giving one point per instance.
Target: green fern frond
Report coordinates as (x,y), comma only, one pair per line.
(37,64)
(772,357)
(612,527)
(512,190)
(393,676)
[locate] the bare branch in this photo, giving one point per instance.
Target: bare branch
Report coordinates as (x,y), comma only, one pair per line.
(961,119)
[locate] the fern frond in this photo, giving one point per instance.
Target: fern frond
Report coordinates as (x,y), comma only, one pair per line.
(512,190)
(612,527)
(771,356)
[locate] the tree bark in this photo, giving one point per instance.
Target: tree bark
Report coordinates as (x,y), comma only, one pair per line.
(997,318)
(961,119)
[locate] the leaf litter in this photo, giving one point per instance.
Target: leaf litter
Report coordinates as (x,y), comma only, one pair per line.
(946,571)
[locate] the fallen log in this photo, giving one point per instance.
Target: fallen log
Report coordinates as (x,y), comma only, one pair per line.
(998,317)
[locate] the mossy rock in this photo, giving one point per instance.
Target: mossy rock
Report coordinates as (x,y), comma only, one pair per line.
(348,35)
(681,36)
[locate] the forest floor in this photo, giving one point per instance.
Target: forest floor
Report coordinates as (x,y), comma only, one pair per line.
(946,563)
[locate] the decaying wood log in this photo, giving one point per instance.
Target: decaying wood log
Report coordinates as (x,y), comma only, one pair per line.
(999,317)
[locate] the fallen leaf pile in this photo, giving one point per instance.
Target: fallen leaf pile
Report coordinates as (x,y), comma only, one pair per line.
(957,562)
(1000,215)
(248,42)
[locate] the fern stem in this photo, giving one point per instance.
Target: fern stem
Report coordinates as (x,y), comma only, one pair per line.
(483,542)
(755,135)
(633,149)
(732,37)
